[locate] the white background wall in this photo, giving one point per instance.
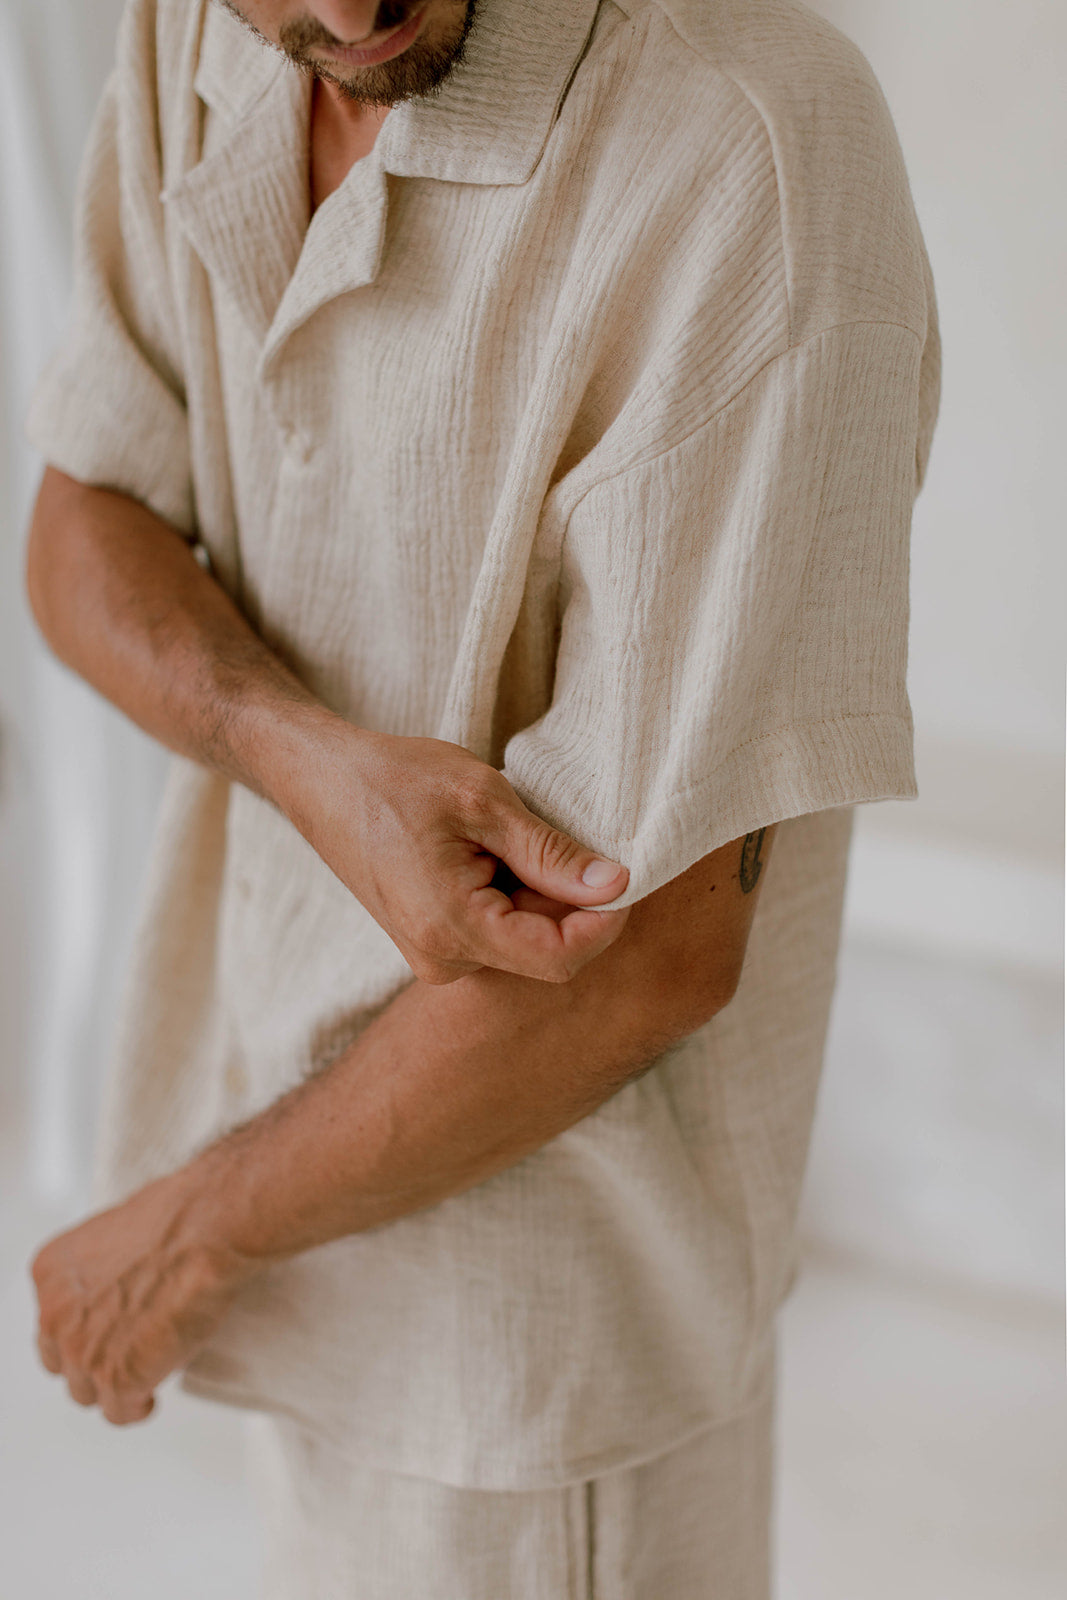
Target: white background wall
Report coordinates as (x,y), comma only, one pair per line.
(970,875)
(77,784)
(937,1164)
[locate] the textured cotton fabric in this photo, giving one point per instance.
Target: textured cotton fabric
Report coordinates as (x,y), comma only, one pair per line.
(581,426)
(692,1525)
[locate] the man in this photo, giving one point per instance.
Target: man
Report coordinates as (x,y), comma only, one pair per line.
(484,453)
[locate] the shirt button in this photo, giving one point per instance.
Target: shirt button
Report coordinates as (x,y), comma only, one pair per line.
(298,444)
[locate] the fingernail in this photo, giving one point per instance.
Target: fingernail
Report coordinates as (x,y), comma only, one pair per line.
(599,873)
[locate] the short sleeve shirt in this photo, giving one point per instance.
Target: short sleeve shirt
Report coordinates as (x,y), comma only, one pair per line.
(580,426)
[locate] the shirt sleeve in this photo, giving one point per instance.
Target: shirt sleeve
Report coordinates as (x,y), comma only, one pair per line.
(109,408)
(733,642)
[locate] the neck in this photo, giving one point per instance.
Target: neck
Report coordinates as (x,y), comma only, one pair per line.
(342,111)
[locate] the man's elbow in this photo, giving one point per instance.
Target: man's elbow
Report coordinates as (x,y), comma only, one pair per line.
(669,1012)
(678,999)
(701,999)
(46,555)
(36,566)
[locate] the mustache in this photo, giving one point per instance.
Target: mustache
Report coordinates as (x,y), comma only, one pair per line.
(306,32)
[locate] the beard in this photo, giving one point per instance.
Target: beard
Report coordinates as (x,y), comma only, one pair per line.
(419,70)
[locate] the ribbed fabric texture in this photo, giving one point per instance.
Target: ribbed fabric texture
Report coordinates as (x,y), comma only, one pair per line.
(580,426)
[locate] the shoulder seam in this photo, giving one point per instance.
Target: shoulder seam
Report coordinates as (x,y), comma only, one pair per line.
(717,67)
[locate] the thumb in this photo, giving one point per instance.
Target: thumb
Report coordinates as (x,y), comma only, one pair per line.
(552,862)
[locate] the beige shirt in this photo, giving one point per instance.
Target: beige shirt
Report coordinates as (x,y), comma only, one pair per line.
(580,426)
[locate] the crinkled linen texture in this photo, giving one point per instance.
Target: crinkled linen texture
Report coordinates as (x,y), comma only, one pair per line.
(581,426)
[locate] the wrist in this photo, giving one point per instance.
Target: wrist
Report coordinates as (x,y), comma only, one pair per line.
(194,1232)
(234,1206)
(309,764)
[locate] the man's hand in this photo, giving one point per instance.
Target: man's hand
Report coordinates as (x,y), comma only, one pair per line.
(415,828)
(129,1296)
(418,828)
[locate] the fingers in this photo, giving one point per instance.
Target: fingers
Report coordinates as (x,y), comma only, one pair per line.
(587,934)
(120,1407)
(529,900)
(527,934)
(48,1351)
(537,944)
(122,1410)
(548,860)
(82,1389)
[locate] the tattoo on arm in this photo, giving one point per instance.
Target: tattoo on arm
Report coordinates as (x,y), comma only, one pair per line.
(751,865)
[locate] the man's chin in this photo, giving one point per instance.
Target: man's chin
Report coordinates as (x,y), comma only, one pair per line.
(419,71)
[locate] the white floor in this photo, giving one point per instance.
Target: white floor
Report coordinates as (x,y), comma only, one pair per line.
(923,1421)
(923,1445)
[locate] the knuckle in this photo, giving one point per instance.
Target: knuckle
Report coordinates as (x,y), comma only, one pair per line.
(556,850)
(435,945)
(446,970)
(437,964)
(478,797)
(435,972)
(116,1377)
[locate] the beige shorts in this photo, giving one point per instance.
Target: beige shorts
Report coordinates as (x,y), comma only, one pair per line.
(690,1525)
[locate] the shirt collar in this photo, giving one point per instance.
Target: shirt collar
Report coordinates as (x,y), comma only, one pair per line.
(489,121)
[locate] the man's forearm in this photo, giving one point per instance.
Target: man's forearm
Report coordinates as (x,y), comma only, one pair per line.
(449,1086)
(121,599)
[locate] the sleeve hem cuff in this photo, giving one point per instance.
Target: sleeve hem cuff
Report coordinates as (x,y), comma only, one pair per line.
(68,429)
(815,766)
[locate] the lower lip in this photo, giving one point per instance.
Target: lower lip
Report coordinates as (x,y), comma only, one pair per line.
(393,46)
